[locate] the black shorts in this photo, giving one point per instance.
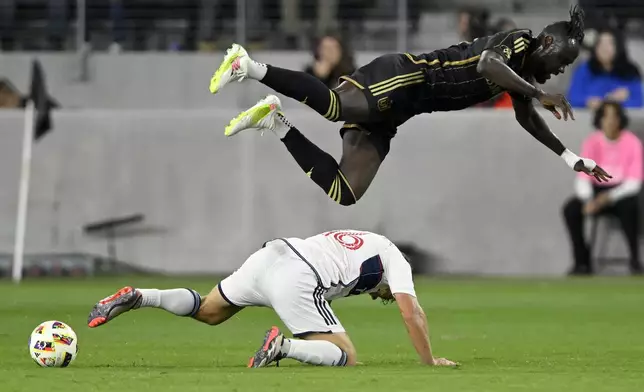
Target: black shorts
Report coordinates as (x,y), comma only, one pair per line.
(392,84)
(379,135)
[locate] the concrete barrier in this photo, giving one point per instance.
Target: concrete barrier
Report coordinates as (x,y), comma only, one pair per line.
(470,186)
(156,80)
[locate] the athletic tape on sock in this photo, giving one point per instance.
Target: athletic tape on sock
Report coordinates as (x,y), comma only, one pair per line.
(197,304)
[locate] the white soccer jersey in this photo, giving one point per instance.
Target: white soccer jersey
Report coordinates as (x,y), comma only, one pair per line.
(351,262)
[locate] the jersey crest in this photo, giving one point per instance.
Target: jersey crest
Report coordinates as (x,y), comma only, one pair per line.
(384,104)
(507,52)
(350,240)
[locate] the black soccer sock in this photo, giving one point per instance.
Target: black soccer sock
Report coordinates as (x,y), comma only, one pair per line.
(305,88)
(321,167)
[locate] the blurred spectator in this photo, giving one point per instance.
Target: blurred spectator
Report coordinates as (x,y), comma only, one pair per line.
(332,60)
(148,15)
(472,23)
(58,15)
(609,74)
(611,13)
(15,19)
(7,24)
(619,152)
(503,24)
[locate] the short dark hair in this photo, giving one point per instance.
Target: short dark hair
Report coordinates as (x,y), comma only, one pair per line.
(621,113)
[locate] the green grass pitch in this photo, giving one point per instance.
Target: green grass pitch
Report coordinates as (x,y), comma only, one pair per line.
(508,335)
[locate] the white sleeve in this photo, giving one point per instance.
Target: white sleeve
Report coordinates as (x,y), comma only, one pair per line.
(583,189)
(397,272)
(625,189)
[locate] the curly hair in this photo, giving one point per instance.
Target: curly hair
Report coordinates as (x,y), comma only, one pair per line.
(576,24)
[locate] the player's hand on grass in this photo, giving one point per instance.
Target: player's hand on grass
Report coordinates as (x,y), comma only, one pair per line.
(444,362)
(586,166)
(552,102)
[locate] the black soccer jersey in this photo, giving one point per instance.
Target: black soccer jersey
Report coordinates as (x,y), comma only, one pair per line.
(400,86)
(452,80)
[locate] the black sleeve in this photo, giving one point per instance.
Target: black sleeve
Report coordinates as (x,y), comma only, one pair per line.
(512,45)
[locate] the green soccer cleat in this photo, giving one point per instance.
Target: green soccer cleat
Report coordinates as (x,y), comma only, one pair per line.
(233,68)
(262,117)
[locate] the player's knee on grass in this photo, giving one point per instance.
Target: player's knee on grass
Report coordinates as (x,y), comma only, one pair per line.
(341,340)
(214,309)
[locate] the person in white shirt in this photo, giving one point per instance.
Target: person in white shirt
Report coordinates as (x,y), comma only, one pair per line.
(298,278)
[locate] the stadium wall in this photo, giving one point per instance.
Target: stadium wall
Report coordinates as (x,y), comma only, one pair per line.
(172,80)
(471,187)
(150,81)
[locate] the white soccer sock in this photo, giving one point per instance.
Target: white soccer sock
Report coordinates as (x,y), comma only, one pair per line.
(314,352)
(182,302)
(282,126)
(256,70)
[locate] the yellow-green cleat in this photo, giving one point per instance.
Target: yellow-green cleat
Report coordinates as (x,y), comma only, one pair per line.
(233,68)
(261,117)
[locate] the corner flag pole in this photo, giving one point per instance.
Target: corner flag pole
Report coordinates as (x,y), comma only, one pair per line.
(23,192)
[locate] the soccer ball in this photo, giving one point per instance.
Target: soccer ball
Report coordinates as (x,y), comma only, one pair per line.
(53,344)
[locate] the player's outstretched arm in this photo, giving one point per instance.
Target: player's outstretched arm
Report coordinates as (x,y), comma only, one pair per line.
(416,324)
(532,122)
(492,66)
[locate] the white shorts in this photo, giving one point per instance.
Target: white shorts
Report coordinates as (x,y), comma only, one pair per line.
(276,277)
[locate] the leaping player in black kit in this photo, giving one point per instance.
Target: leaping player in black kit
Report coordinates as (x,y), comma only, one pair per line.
(385,93)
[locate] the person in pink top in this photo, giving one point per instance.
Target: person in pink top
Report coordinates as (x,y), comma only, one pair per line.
(619,151)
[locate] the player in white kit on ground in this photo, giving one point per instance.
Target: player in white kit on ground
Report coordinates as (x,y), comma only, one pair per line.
(298,278)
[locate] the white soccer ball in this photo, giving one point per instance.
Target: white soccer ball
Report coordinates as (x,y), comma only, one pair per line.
(53,344)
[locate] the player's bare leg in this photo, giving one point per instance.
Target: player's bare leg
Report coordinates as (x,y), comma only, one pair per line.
(343,182)
(332,349)
(360,161)
(346,182)
(345,103)
(212,309)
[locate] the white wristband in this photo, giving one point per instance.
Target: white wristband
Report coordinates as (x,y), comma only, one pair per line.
(570,158)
